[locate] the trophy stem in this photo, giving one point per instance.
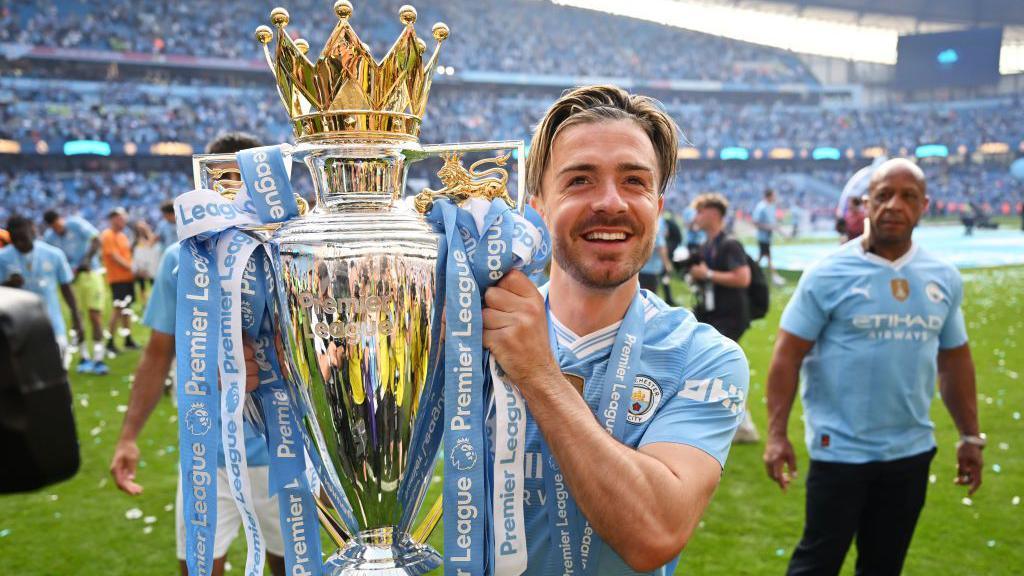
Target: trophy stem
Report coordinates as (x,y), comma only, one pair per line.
(355,176)
(382,552)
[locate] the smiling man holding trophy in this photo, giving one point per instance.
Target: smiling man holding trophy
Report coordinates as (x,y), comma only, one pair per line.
(382,325)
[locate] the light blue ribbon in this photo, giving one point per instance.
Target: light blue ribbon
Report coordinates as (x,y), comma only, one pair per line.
(579,551)
(198,399)
(267,198)
(470,262)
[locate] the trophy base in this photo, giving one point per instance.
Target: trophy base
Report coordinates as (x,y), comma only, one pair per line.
(377,552)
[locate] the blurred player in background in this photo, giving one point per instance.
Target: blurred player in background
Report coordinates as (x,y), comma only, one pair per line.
(146,391)
(116,250)
(765,220)
(36,266)
(79,240)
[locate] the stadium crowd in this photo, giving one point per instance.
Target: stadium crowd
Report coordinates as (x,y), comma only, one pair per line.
(145,114)
(600,44)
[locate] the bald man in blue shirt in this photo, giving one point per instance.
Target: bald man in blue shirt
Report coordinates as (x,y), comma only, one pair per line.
(872,324)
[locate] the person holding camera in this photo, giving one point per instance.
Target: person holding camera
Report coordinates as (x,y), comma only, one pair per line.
(720,275)
(720,272)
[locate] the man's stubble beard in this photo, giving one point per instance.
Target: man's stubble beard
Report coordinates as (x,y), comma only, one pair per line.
(632,264)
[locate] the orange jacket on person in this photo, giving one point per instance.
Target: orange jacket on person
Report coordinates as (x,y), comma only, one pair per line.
(111,243)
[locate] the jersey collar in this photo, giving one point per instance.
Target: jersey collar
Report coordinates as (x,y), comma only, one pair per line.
(582,347)
(894,264)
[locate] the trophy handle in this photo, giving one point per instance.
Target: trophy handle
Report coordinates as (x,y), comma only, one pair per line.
(209,172)
(461,184)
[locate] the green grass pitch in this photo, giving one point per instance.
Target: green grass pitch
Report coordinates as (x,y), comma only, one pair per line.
(80,527)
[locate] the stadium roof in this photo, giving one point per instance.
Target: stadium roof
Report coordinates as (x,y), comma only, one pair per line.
(860,30)
(963,12)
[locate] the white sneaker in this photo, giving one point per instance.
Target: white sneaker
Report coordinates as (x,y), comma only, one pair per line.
(746,433)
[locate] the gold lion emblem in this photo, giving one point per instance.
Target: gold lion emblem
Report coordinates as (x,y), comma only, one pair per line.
(461,184)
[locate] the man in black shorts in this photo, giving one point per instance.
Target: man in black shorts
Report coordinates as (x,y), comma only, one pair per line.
(116,252)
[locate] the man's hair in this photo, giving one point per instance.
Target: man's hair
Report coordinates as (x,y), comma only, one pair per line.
(768,192)
(167,206)
(231,142)
(18,223)
(602,103)
(712,200)
(50,216)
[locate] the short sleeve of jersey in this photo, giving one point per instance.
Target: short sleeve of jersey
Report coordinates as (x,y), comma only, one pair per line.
(8,265)
(62,267)
(159,313)
(659,238)
(804,315)
(710,405)
(760,215)
(83,228)
(954,333)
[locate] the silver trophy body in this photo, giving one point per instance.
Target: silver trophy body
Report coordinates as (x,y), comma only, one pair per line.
(353,311)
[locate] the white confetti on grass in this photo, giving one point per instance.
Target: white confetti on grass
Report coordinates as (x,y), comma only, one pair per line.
(133,514)
(967,501)
(1015,501)
(168,507)
(932,479)
(147,529)
(149,519)
(122,408)
(997,468)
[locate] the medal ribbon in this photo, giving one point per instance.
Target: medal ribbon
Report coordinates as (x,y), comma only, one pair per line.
(212,312)
(574,545)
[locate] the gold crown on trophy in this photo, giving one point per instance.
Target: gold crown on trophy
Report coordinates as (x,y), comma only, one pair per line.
(346,93)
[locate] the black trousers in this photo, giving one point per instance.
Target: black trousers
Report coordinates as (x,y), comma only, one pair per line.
(878,502)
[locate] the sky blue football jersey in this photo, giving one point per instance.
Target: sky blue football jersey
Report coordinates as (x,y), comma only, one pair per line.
(878,325)
(78,234)
(44,269)
(764,213)
(693,237)
(159,315)
(168,233)
(690,389)
(654,264)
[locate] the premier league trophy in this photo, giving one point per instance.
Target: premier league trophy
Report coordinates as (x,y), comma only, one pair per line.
(357,278)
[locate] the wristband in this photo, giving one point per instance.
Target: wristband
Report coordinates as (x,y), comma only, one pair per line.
(711,276)
(980,440)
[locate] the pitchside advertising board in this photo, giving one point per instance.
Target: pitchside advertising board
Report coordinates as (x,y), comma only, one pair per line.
(960,58)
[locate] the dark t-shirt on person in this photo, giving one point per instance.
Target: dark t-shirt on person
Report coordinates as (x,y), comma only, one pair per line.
(730,313)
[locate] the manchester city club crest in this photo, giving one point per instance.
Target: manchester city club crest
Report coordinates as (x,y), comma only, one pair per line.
(644,400)
(934,292)
(463,456)
(900,288)
(197,419)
